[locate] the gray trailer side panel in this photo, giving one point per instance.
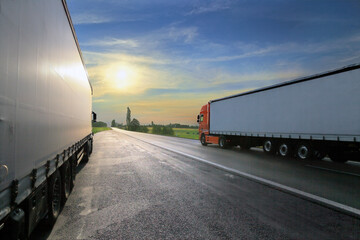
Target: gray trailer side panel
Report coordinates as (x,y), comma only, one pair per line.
(45,96)
(327,107)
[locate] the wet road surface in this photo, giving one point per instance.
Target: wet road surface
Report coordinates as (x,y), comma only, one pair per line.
(133,190)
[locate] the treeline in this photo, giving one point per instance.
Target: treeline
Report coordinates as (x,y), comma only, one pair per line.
(115,124)
(178,125)
(162,130)
(174,125)
(131,124)
(134,125)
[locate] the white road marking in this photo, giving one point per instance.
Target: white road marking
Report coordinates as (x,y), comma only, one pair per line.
(304,195)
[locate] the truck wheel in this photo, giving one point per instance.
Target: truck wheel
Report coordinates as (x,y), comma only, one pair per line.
(269,146)
(54,200)
(285,149)
(203,140)
(91,147)
(222,142)
(66,181)
(304,151)
(86,152)
(73,164)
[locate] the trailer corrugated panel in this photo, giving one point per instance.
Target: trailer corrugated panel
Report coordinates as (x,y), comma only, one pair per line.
(321,108)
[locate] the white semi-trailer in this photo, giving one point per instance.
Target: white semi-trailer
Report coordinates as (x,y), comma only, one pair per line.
(308,117)
(45,112)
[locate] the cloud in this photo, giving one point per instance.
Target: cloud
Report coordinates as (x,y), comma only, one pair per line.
(207,7)
(125,74)
(285,49)
(98,58)
(186,34)
(153,44)
(142,77)
(89,18)
(111,42)
(352,59)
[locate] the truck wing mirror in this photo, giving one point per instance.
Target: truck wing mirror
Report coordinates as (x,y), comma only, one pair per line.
(198,118)
(93,117)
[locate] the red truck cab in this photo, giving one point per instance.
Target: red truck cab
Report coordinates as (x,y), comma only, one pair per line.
(204,125)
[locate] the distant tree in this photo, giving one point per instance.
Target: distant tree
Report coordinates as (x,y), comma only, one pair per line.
(152,123)
(167,130)
(128,117)
(143,129)
(163,130)
(178,125)
(156,129)
(134,125)
(113,123)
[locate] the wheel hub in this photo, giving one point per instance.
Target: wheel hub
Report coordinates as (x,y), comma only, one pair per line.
(283,150)
(303,152)
(267,146)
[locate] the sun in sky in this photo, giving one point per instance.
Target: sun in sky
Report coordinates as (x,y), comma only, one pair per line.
(123,77)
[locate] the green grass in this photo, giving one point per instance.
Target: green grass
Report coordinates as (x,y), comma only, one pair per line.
(190,133)
(100,129)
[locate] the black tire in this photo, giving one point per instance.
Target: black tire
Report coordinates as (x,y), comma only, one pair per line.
(54,197)
(285,149)
(86,152)
(269,146)
(203,140)
(222,142)
(91,147)
(73,164)
(304,151)
(66,181)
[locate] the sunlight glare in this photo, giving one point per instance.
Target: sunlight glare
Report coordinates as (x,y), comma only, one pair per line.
(124,76)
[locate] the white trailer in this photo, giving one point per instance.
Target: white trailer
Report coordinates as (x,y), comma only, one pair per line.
(315,115)
(45,111)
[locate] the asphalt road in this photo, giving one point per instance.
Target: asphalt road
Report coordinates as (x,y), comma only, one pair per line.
(334,181)
(131,189)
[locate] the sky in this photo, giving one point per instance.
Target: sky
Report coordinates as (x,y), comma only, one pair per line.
(165,59)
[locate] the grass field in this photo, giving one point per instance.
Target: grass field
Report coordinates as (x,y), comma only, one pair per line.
(190,133)
(100,129)
(186,133)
